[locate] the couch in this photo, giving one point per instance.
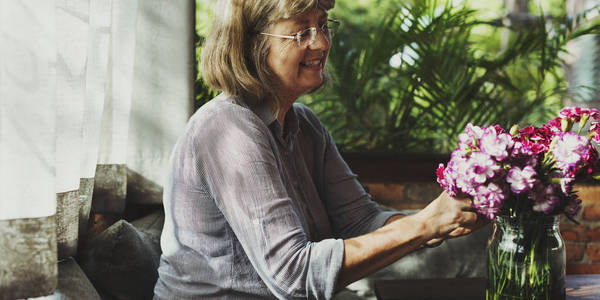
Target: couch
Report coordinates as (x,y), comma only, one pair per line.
(121,263)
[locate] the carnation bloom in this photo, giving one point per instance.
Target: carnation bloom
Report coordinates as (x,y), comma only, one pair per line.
(593,113)
(488,200)
(537,139)
(496,143)
(492,166)
(521,180)
(459,166)
(571,113)
(481,166)
(573,206)
(570,151)
(595,131)
(590,160)
(469,139)
(566,185)
(522,155)
(545,199)
(444,178)
(555,125)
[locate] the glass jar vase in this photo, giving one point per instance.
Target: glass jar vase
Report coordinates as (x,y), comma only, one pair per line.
(526,259)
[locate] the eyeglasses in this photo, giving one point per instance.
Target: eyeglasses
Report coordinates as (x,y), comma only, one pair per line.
(308,36)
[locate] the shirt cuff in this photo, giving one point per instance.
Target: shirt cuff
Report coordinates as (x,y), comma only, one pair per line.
(325,269)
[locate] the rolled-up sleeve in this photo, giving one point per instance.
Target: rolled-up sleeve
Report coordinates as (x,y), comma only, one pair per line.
(243,176)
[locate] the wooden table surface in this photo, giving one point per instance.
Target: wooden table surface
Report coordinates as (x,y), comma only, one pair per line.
(579,287)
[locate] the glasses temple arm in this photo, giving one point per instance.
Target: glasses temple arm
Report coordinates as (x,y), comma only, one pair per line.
(279,35)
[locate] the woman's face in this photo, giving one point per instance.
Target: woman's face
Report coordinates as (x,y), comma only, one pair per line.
(298,69)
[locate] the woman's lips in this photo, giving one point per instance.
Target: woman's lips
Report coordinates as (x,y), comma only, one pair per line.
(315,64)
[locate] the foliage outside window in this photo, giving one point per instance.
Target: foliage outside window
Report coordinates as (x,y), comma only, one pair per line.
(408,77)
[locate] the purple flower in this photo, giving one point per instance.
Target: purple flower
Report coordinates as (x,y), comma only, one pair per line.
(573,206)
(572,113)
(575,114)
(521,180)
(469,139)
(570,150)
(496,144)
(566,185)
(545,199)
(522,155)
(444,178)
(594,131)
(455,174)
(488,200)
(481,166)
(593,113)
(492,166)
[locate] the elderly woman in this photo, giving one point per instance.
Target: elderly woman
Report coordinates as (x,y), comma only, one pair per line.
(259,203)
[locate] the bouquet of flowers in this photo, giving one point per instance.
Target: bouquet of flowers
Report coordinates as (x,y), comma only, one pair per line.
(531,169)
(523,177)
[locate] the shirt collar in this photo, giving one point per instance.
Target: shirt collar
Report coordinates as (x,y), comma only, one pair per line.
(264,112)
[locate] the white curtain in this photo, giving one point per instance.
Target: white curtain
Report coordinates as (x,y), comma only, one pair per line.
(582,63)
(91,92)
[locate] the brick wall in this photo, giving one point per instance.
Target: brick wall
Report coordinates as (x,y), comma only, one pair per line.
(582,241)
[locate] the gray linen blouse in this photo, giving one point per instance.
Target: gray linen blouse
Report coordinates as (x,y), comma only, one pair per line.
(253,214)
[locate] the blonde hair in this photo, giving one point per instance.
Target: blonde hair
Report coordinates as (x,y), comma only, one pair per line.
(234,56)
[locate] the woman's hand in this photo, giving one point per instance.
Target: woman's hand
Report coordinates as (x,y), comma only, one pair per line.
(445,217)
(448,217)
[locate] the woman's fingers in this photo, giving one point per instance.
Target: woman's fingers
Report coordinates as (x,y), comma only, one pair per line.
(460,231)
(466,204)
(468,218)
(434,242)
(481,221)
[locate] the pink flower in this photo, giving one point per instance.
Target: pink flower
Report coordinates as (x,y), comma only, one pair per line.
(488,200)
(571,113)
(595,131)
(444,178)
(566,185)
(459,169)
(571,149)
(521,180)
(590,161)
(469,139)
(440,175)
(481,166)
(545,199)
(492,166)
(522,155)
(537,139)
(593,113)
(496,143)
(576,114)
(573,206)
(555,125)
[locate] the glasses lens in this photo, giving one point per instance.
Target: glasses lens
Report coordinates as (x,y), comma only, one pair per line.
(330,27)
(306,37)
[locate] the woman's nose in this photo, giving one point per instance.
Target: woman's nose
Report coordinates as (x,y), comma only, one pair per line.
(322,41)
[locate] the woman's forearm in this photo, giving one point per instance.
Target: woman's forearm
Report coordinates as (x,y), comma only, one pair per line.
(445,217)
(368,253)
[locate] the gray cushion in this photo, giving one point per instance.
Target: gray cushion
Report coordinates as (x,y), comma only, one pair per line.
(122,261)
(459,257)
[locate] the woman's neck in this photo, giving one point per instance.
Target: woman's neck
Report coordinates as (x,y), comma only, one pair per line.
(285,107)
